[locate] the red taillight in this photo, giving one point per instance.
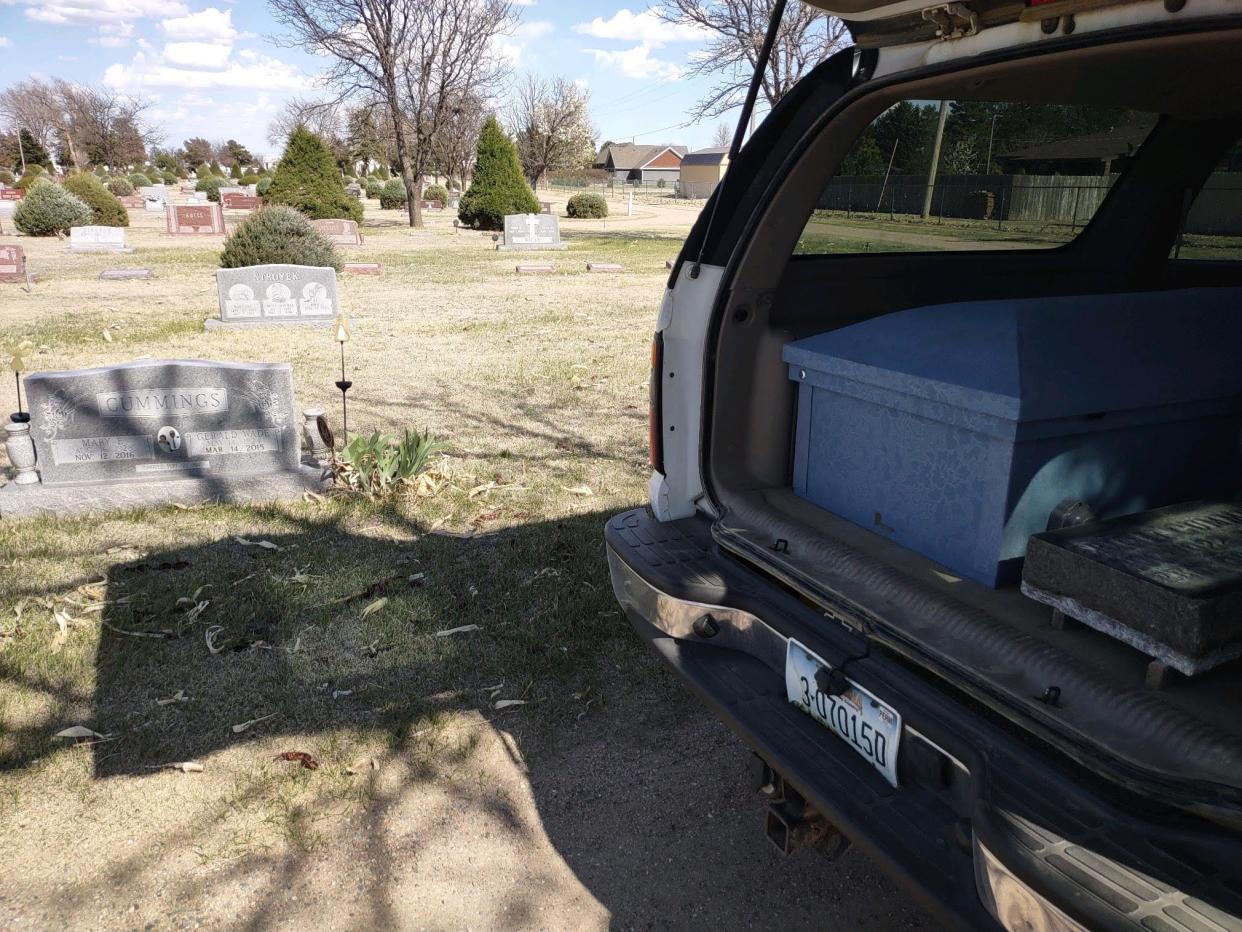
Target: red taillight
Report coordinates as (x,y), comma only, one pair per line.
(655,421)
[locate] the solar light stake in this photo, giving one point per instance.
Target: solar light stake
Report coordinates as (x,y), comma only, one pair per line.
(342,337)
(16,364)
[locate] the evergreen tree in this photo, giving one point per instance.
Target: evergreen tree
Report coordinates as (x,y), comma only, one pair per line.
(33,152)
(498,186)
(307,179)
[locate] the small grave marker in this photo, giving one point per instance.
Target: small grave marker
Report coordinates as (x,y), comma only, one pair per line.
(12,265)
(233,201)
(11,194)
(545,207)
(118,275)
(132,201)
(532,231)
(152,432)
(192,219)
(605,267)
(534,269)
(97,239)
(340,232)
(276,296)
(364,268)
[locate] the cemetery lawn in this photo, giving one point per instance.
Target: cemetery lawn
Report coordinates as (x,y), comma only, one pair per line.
(488,735)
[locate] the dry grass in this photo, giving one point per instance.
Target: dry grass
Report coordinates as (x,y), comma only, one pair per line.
(539,386)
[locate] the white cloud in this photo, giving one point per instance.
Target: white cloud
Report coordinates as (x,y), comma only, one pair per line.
(645,27)
(636,62)
(209,25)
(511,48)
(198,56)
(99,12)
(5,42)
(153,71)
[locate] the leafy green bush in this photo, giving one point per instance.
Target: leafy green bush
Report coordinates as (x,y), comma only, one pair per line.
(278,235)
(498,187)
(307,179)
(32,174)
(168,177)
(139,180)
(210,186)
(262,185)
(203,170)
(392,194)
(120,187)
(106,210)
(587,206)
(382,173)
(377,465)
(49,210)
(249,177)
(6,176)
(373,187)
(436,192)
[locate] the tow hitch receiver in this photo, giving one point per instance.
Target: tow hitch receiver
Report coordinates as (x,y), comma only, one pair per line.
(790,821)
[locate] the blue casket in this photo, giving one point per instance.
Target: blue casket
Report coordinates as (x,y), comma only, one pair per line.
(955,430)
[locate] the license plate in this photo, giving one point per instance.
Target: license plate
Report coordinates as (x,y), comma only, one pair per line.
(869,726)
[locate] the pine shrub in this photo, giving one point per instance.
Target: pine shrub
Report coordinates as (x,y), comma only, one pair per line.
(49,210)
(33,174)
(587,206)
(262,186)
(436,192)
(6,176)
(392,194)
(383,173)
(278,235)
(168,177)
(120,187)
(139,180)
(307,179)
(210,186)
(106,210)
(373,187)
(498,187)
(203,170)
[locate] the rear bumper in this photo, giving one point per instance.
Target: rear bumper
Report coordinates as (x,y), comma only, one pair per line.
(981,812)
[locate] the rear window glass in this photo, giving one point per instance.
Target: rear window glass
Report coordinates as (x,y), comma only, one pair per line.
(932,175)
(1212,227)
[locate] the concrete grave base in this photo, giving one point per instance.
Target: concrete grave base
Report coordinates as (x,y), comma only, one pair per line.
(534,269)
(215,323)
(605,267)
(31,501)
(117,275)
(524,248)
(83,250)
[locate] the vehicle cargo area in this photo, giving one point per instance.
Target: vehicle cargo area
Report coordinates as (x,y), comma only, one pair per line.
(1014,462)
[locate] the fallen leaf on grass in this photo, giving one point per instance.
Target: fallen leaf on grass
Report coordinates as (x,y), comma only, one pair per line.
(459,630)
(210,637)
(185,766)
(583,490)
(238,729)
(300,756)
(358,766)
(158,635)
(79,731)
(375,606)
(265,544)
(178,696)
(508,703)
(107,337)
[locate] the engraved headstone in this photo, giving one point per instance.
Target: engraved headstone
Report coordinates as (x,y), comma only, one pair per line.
(150,432)
(532,231)
(353,189)
(276,295)
(246,190)
(233,201)
(153,192)
(12,264)
(133,201)
(11,194)
(534,269)
(340,232)
(153,206)
(185,220)
(97,239)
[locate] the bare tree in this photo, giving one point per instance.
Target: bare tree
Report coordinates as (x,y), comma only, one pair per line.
(735,30)
(105,127)
(552,127)
(458,139)
(33,106)
(417,58)
(723,137)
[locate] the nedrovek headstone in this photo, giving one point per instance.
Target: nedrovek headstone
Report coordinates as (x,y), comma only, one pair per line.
(97,239)
(340,232)
(184,220)
(233,201)
(151,432)
(276,296)
(532,231)
(12,264)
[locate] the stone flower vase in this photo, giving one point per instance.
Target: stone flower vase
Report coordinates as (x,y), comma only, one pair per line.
(20,448)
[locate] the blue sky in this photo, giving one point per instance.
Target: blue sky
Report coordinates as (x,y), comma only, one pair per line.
(211,69)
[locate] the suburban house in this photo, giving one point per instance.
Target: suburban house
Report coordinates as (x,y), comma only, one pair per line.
(633,164)
(702,170)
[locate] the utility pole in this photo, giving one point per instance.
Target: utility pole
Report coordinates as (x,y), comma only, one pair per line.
(883,187)
(935,159)
(21,150)
(987,166)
